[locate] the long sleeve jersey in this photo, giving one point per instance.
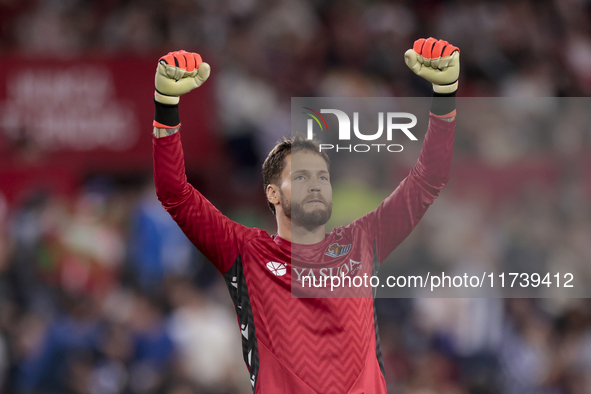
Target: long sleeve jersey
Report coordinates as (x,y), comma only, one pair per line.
(305,345)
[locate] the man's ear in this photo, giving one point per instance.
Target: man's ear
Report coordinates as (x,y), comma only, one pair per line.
(273,194)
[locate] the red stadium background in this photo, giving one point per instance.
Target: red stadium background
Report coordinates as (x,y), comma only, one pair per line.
(100,292)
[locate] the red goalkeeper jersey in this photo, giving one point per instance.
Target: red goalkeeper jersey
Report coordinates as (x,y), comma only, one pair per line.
(305,345)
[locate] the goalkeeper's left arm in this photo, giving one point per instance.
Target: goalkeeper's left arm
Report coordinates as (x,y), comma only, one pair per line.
(438,62)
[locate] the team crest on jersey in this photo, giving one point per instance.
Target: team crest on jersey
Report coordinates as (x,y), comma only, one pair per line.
(336,250)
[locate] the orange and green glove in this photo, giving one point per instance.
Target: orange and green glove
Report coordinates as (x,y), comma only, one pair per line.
(177,73)
(437,61)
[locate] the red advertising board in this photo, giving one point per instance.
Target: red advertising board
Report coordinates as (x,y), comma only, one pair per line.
(64,118)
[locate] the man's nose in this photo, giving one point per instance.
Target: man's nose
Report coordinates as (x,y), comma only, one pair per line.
(314,185)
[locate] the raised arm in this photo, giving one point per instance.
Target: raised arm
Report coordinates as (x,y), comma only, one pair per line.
(396,217)
(216,236)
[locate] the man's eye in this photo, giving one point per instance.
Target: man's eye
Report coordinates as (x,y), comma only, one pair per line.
(301,177)
(324,178)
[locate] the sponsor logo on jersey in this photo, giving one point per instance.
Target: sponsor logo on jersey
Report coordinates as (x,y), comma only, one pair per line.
(349,268)
(336,250)
(276,268)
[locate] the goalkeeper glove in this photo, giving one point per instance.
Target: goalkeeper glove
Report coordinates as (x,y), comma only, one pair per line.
(179,73)
(436,61)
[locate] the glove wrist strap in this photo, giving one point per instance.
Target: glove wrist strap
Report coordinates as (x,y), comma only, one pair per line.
(443,105)
(164,99)
(166,116)
(446,89)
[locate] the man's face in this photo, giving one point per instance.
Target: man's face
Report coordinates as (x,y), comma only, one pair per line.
(305,191)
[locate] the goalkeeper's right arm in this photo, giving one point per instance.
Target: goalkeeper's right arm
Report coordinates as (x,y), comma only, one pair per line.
(216,236)
(177,73)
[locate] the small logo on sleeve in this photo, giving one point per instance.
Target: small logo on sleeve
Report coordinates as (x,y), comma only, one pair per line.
(336,250)
(276,268)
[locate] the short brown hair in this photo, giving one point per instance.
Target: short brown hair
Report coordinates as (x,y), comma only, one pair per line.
(275,162)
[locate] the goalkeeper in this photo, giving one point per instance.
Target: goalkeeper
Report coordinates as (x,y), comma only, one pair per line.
(304,345)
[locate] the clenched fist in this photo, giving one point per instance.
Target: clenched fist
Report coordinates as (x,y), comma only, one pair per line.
(437,61)
(178,73)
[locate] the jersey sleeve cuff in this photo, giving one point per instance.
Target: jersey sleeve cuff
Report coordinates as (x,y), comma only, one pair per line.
(163,126)
(449,115)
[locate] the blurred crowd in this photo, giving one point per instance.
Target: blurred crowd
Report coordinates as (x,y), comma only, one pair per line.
(100,292)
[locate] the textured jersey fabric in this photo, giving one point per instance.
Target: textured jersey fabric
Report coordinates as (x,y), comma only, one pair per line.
(305,345)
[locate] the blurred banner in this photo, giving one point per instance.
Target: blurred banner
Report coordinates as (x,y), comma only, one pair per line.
(63,118)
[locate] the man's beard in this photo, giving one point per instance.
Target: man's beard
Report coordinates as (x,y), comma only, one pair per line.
(303,218)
